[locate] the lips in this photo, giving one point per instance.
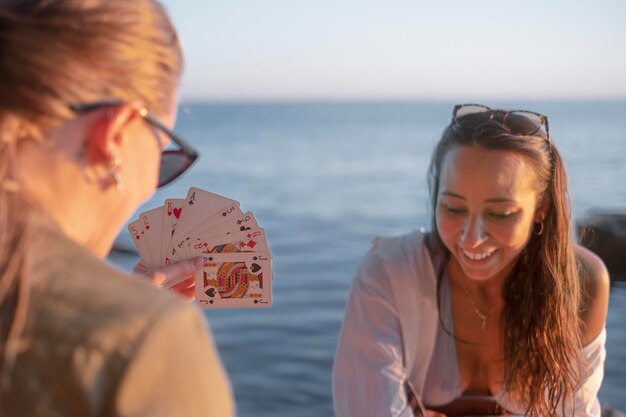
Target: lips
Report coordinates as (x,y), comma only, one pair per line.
(478,256)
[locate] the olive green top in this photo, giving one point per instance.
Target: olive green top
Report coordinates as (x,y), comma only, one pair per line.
(102,343)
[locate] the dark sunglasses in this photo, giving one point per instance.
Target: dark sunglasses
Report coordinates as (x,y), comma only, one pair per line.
(516,122)
(174,162)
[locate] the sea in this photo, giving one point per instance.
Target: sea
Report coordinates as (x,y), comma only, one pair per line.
(325,178)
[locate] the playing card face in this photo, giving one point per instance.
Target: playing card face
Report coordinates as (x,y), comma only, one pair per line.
(247,241)
(172,211)
(198,206)
(134,229)
(245,221)
(151,225)
(179,241)
(234,280)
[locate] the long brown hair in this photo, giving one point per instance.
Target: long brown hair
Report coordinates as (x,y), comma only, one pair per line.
(541,325)
(54,53)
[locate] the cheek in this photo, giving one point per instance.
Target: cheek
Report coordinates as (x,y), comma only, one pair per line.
(448,226)
(152,171)
(143,168)
(151,158)
(512,234)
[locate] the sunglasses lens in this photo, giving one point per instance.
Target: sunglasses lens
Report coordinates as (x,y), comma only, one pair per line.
(173,164)
(524,123)
(517,122)
(469,109)
(469,115)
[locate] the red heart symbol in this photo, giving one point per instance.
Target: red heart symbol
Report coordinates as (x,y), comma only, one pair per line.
(148,226)
(177,212)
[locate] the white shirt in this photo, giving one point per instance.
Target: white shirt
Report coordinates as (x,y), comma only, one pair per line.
(391,334)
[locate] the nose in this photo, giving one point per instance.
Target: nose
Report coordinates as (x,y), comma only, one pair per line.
(474,233)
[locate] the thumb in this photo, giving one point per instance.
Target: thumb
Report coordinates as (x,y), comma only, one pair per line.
(184,267)
(179,271)
(158,278)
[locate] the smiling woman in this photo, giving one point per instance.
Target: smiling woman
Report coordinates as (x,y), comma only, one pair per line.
(496,310)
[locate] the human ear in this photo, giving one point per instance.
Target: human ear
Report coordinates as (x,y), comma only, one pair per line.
(109,131)
(542,207)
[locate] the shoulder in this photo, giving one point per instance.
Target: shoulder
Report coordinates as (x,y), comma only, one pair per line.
(398,247)
(595,276)
(182,346)
(394,265)
(103,305)
(394,252)
(86,318)
(79,299)
(595,285)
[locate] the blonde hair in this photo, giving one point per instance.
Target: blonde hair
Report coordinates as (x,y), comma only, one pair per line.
(56,53)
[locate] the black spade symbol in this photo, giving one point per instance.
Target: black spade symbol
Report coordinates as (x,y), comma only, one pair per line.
(256,301)
(211,301)
(224,214)
(255,268)
(210,292)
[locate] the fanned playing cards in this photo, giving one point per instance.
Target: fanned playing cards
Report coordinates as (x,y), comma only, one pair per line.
(237,262)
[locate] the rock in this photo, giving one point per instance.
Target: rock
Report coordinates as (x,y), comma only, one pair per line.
(605,234)
(608,411)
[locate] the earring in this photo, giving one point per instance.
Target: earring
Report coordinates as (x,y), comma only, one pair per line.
(114,172)
(540,232)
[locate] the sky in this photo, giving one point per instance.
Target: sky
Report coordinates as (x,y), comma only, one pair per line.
(238,50)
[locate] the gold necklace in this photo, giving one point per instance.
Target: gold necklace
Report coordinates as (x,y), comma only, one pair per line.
(479,313)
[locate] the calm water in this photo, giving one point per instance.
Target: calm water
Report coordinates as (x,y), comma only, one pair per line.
(323,180)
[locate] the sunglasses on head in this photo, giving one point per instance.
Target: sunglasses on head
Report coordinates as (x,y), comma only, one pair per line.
(174,162)
(516,122)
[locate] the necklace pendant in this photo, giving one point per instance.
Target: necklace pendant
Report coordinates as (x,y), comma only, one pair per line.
(483,317)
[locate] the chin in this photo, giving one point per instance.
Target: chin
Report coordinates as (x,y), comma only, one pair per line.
(480,275)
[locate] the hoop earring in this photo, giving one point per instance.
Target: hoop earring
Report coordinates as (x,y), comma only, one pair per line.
(540,232)
(114,172)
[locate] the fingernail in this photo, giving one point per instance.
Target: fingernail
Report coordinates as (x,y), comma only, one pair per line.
(159,278)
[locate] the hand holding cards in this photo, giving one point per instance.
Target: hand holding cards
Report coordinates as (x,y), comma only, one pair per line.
(237,269)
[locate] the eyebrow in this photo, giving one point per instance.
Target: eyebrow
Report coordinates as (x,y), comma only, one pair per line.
(489,200)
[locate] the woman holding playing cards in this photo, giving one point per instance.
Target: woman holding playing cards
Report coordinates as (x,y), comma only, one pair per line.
(87,95)
(496,310)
